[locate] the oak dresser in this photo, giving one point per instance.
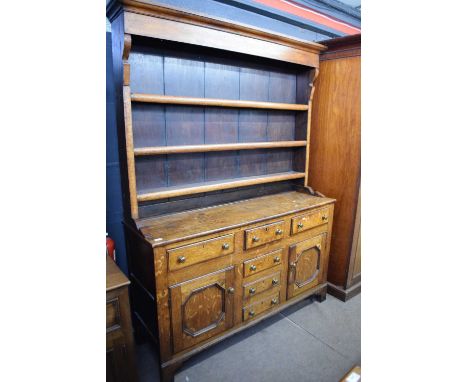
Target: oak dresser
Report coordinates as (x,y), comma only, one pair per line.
(214,121)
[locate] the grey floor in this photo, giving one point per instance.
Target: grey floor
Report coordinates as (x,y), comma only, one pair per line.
(310,341)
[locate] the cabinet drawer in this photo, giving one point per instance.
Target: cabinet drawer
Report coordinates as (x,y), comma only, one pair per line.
(251,311)
(256,287)
(204,250)
(261,263)
(264,234)
(112,315)
(304,222)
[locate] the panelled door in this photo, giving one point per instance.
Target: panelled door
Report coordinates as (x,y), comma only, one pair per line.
(306,264)
(201,308)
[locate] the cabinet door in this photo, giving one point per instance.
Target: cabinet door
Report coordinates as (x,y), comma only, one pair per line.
(202,308)
(306,263)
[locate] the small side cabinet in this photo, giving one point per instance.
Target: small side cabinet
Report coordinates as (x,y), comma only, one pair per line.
(120,359)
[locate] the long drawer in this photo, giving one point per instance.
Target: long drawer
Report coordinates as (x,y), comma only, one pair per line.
(187,255)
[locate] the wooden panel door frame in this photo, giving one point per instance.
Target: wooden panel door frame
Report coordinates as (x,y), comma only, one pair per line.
(181,293)
(319,242)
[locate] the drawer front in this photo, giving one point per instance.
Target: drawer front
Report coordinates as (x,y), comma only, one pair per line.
(255,237)
(112,315)
(261,285)
(251,311)
(313,219)
(261,263)
(187,255)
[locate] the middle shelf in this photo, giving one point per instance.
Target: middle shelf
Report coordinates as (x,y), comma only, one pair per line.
(178,100)
(142,151)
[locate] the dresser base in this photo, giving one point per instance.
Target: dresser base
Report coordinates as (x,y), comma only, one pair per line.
(169,368)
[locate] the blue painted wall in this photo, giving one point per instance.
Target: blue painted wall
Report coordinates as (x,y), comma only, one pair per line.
(242,11)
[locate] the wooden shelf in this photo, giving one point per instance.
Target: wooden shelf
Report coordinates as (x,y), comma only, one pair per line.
(170,192)
(217,147)
(155,98)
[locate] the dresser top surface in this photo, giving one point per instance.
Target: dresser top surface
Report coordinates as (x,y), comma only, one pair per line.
(162,230)
(115,278)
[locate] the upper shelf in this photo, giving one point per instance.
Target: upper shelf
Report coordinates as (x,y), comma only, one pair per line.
(156,98)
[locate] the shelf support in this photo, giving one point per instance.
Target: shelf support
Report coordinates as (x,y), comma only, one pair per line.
(313,77)
(127,101)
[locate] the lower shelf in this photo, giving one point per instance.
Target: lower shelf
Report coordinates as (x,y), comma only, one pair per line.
(170,192)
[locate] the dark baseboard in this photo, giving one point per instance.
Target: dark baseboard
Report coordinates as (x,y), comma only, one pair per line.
(344,294)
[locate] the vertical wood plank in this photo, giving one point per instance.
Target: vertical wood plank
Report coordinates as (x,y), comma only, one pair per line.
(147,70)
(127,102)
(150,173)
(130,154)
(221,124)
(184,124)
(314,75)
(282,87)
(149,125)
(162,304)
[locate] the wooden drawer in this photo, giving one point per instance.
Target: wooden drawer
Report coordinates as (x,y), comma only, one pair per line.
(304,222)
(253,310)
(187,255)
(112,315)
(261,263)
(267,283)
(264,234)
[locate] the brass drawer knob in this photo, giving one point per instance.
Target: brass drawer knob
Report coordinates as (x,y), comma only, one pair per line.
(251,313)
(230,290)
(181,259)
(324,217)
(253,267)
(279,231)
(255,239)
(275,281)
(226,246)
(252,290)
(300,225)
(292,265)
(277,259)
(274,301)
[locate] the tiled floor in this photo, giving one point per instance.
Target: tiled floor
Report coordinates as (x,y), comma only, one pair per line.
(310,341)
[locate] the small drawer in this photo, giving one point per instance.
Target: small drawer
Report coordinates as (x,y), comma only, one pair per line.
(261,263)
(304,222)
(112,315)
(251,311)
(255,237)
(261,285)
(187,255)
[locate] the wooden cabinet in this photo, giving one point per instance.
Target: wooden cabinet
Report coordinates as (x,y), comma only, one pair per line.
(120,361)
(215,124)
(336,154)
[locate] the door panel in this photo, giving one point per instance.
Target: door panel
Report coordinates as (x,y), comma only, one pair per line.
(201,308)
(306,262)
